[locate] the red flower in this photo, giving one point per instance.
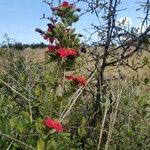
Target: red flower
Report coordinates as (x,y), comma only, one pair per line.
(77,79)
(52,48)
(45,37)
(50,123)
(48,37)
(63,52)
(65,4)
(50,27)
(51,39)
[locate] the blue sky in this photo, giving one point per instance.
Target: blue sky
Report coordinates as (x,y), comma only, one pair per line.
(19,18)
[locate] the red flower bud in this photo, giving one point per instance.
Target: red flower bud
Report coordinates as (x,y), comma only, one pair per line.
(65,4)
(45,37)
(55,8)
(50,26)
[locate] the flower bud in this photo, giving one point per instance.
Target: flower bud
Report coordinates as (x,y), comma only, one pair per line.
(39,30)
(78,9)
(54,8)
(80,35)
(50,26)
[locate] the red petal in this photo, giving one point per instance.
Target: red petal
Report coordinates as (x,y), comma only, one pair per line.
(72,52)
(79,79)
(65,4)
(48,122)
(69,77)
(62,53)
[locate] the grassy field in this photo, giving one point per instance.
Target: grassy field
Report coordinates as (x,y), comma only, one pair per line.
(28,94)
(38,55)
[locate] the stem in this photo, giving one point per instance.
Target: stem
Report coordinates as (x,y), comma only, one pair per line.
(74,100)
(30,107)
(56,84)
(67,112)
(14,90)
(29,93)
(114,114)
(103,124)
(63,81)
(9,146)
(17,141)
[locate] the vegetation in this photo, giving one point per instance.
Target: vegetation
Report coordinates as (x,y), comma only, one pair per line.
(18,45)
(78,97)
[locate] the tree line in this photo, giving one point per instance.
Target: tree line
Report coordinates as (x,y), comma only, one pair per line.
(22,46)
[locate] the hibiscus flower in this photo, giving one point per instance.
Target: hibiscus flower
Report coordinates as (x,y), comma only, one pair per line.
(50,123)
(77,79)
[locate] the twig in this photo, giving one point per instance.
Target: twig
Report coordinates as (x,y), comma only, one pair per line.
(103,124)
(81,90)
(17,141)
(9,145)
(14,90)
(113,116)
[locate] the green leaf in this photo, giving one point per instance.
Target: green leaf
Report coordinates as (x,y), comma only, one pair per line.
(146,80)
(16,124)
(37,90)
(59,98)
(82,132)
(53,57)
(25,115)
(90,142)
(40,144)
(83,122)
(45,135)
(13,121)
(23,77)
(39,125)
(51,145)
(66,95)
(42,111)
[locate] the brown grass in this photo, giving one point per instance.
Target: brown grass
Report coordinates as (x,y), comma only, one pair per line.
(38,55)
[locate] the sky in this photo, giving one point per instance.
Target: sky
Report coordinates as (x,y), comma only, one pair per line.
(19,18)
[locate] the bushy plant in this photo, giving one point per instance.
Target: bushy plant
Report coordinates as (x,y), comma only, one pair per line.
(52,105)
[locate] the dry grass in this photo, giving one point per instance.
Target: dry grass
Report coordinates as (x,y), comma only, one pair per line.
(35,55)
(38,55)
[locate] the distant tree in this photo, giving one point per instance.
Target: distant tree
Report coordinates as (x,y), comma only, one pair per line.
(18,46)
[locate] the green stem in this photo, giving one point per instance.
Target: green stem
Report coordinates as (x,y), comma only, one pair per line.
(56,84)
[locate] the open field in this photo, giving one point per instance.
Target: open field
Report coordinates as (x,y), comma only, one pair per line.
(38,55)
(26,97)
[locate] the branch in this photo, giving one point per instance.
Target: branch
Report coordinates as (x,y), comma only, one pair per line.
(139,39)
(17,141)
